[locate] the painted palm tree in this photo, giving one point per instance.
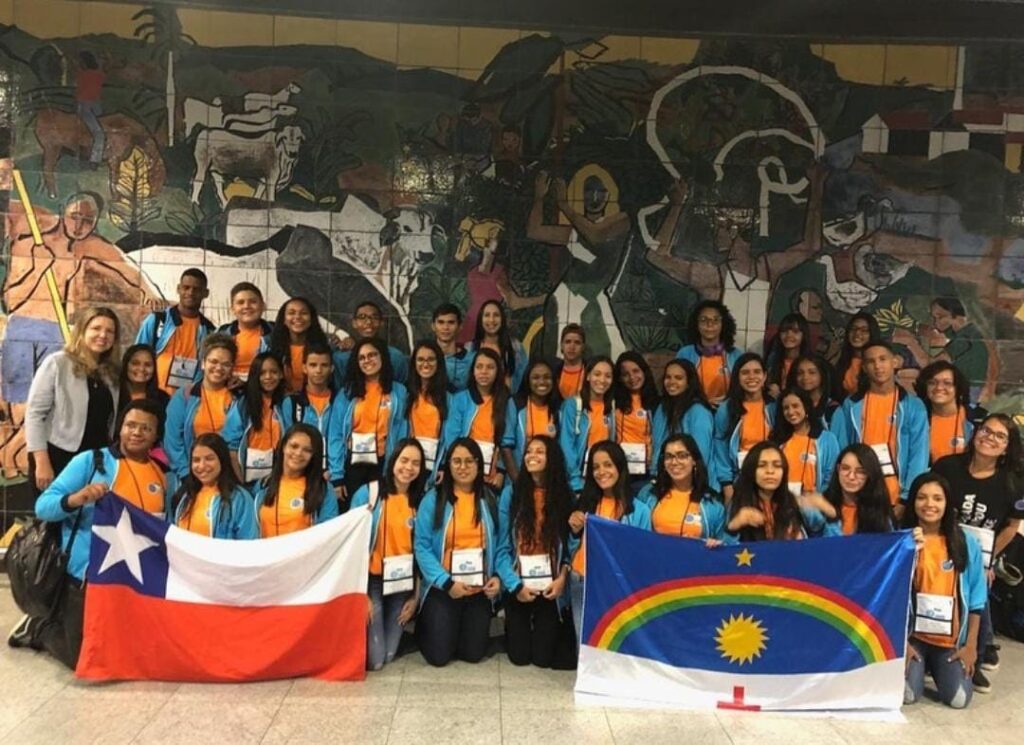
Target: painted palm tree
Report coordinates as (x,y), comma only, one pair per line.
(162,28)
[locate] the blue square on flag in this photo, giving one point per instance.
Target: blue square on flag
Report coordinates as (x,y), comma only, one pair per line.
(128,547)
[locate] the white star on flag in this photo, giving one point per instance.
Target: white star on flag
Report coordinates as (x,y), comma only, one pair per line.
(123,545)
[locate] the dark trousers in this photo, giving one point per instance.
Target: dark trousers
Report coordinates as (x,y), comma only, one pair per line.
(61,635)
(357,475)
(532,631)
(58,459)
(447,629)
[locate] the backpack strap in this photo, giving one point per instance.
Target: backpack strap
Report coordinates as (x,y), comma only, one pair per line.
(161,319)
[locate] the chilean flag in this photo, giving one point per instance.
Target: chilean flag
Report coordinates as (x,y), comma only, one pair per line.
(162,603)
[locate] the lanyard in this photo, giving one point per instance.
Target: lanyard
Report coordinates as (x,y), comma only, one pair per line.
(480,525)
(531,430)
(891,421)
(721,371)
(138,489)
(209,409)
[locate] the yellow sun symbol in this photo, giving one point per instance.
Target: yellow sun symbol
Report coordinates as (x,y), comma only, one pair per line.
(741,638)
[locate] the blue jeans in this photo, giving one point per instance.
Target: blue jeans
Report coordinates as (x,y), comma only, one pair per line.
(986,635)
(954,686)
(384,632)
(89,112)
(576,601)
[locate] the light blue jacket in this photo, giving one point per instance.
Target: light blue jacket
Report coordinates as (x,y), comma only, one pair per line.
(690,353)
(712,512)
(179,433)
(297,407)
(972,589)
(429,543)
(521,358)
(237,426)
(519,433)
(238,523)
(266,329)
(966,423)
(159,326)
(727,444)
(457,366)
(328,507)
(827,453)
(912,442)
(79,473)
(362,499)
(640,517)
(461,412)
(699,423)
(814,526)
(399,366)
(573,435)
(340,428)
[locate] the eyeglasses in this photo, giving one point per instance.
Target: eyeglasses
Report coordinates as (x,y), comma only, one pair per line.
(367,317)
(677,457)
(853,471)
(709,320)
(140,427)
(463,462)
(992,434)
(369,356)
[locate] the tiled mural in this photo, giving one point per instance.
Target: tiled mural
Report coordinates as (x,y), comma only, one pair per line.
(607,180)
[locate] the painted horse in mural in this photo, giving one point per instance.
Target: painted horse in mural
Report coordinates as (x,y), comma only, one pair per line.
(59,133)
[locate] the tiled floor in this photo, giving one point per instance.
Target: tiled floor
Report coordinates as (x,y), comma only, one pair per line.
(40,702)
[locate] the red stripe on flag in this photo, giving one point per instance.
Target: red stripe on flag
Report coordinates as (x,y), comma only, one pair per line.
(129,636)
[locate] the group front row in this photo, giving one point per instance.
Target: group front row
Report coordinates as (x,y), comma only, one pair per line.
(448,550)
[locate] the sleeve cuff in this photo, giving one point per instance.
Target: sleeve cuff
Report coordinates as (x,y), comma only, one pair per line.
(447,586)
(64,505)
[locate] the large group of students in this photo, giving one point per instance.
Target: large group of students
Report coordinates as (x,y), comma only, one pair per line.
(480,465)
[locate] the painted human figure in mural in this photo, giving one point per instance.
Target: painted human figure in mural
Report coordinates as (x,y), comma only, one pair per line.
(88,94)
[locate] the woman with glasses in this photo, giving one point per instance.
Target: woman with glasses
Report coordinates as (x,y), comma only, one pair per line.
(946,396)
(711,332)
(987,489)
(680,498)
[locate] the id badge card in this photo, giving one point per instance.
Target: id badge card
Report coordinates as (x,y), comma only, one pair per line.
(364,448)
(986,538)
(885,459)
(468,566)
(934,614)
(796,488)
(258,463)
(429,445)
(182,372)
(535,571)
(636,458)
(398,574)
(487,450)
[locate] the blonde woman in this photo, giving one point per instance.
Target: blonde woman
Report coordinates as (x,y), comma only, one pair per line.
(73,397)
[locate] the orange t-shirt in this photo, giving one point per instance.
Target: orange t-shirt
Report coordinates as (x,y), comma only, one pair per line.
(879,427)
(248,341)
(791,534)
(753,425)
(286,514)
(849,515)
(634,427)
(141,484)
(677,514)
(802,458)
(946,435)
(267,436)
(713,373)
(536,546)
(598,425)
(539,421)
(852,376)
(570,382)
(394,531)
(606,507)
(200,519)
(482,427)
(319,401)
(213,409)
(181,344)
(371,415)
(462,532)
(293,375)
(935,575)
(425,419)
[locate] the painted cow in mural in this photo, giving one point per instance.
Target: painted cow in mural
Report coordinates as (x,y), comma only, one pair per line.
(269,159)
(199,114)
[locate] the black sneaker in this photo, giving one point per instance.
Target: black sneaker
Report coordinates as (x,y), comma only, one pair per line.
(990,658)
(981,682)
(22,633)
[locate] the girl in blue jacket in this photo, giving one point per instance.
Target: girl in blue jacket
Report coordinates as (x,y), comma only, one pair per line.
(492,332)
(538,407)
(255,422)
(857,493)
(813,374)
(588,418)
(684,408)
(949,581)
(810,450)
(711,332)
(210,500)
(946,395)
(456,543)
(429,401)
(680,498)
(744,419)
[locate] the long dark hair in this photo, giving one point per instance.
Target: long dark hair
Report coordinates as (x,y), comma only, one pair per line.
(1012,461)
(675,407)
(824,372)
(557,502)
(446,489)
(874,511)
(847,352)
(499,391)
(280,338)
(436,389)
(153,391)
(585,393)
(316,487)
(591,494)
(387,479)
(961,388)
(553,400)
(254,391)
(227,482)
(354,384)
(623,396)
(775,354)
(786,511)
(728,335)
(949,526)
(783,430)
(735,397)
(663,481)
(508,349)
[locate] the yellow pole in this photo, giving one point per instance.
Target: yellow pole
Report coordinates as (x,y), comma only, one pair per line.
(37,238)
